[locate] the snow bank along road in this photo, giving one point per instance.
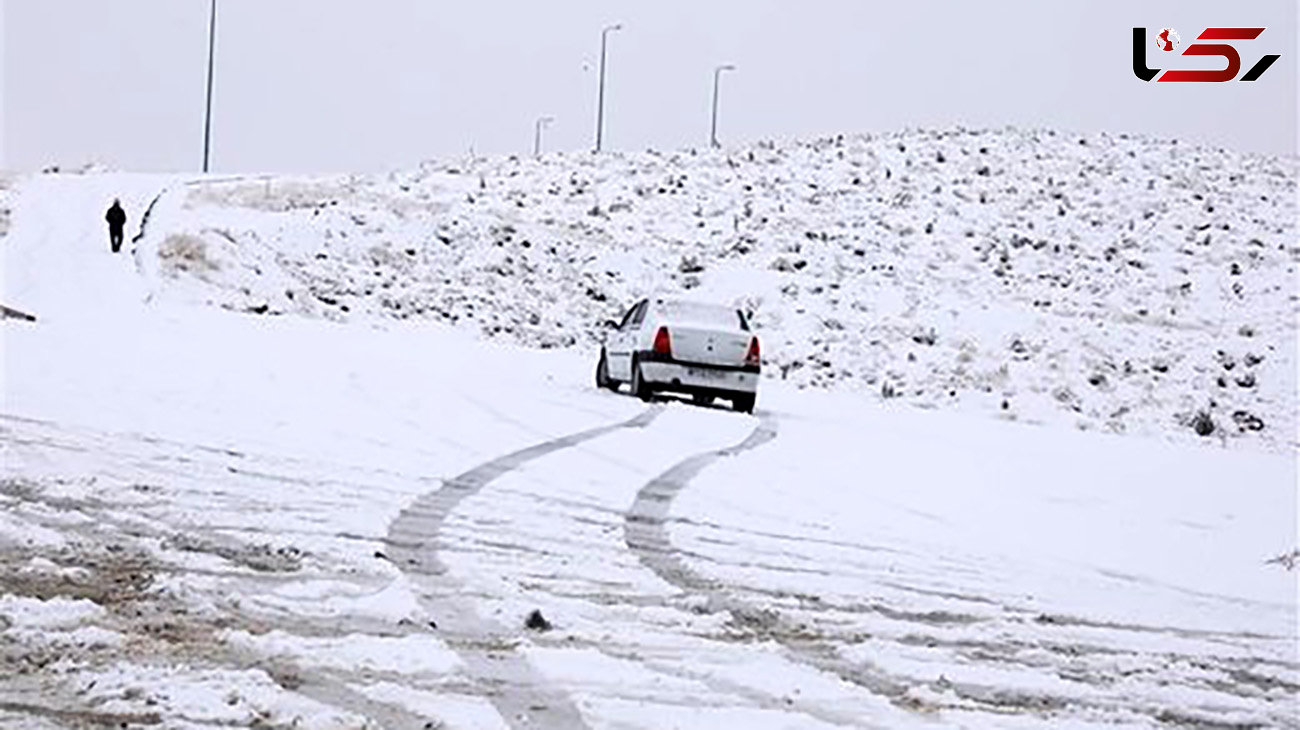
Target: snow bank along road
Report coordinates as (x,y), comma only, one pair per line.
(211,518)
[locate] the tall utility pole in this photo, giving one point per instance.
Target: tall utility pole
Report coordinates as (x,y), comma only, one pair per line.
(537,134)
(713,129)
(600,99)
(207,118)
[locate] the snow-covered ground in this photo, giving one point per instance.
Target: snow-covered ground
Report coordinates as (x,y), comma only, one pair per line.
(1120,284)
(342,520)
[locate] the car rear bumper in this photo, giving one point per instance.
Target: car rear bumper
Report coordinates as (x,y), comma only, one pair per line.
(664,373)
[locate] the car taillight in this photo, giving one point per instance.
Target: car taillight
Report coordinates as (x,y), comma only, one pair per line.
(753,357)
(663,345)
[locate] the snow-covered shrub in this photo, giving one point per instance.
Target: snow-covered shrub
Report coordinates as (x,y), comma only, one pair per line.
(186,252)
(1203,423)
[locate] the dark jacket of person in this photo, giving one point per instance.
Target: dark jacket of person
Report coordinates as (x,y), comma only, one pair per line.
(116,217)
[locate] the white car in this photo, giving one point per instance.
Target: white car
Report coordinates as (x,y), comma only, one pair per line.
(704,350)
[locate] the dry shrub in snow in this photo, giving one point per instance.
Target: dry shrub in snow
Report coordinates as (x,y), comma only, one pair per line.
(1203,424)
(185,252)
(1288,561)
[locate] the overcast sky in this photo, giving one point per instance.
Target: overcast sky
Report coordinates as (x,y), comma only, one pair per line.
(341,85)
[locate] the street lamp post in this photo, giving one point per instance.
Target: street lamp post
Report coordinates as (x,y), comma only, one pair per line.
(537,134)
(207,117)
(600,99)
(713,128)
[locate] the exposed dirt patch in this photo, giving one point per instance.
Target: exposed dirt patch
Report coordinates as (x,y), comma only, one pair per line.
(110,576)
(116,570)
(82,718)
(264,557)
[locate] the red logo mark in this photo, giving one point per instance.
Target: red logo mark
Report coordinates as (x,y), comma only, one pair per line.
(1167,40)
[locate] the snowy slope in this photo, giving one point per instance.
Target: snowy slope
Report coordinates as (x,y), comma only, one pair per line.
(341,520)
(1120,284)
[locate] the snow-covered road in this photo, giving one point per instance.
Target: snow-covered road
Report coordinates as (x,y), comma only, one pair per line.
(218,519)
(485,646)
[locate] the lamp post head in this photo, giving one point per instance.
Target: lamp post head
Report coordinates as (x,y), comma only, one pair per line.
(608,28)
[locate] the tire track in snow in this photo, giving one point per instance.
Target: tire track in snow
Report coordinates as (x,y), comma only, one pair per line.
(646,534)
(518,692)
(645,530)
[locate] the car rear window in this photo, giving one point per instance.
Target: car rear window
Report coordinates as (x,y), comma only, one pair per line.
(712,315)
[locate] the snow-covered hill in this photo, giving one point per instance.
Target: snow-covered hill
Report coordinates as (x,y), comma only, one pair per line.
(1114,283)
(238,519)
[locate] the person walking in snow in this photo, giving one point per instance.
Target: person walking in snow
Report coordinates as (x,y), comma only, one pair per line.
(116,218)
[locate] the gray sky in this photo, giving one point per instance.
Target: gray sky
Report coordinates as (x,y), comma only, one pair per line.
(340,85)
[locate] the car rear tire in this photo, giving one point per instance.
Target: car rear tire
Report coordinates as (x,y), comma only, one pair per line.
(602,373)
(744,403)
(640,388)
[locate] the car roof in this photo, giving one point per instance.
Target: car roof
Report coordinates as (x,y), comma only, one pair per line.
(671,301)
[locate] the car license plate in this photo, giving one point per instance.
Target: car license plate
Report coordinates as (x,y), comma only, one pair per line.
(706,374)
